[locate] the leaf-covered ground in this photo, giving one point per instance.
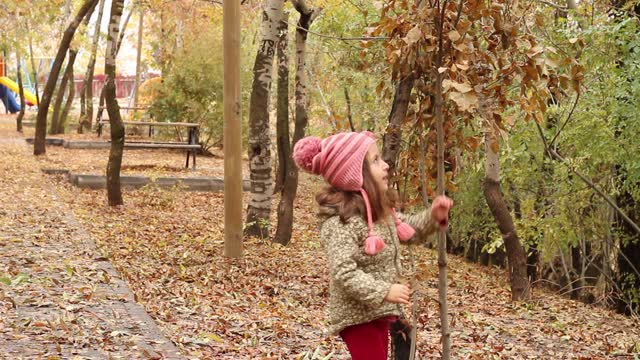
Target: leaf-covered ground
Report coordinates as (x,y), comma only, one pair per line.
(168,245)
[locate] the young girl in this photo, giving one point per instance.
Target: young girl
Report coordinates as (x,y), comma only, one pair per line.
(361,233)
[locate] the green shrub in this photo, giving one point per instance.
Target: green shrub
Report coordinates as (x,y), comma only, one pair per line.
(191,89)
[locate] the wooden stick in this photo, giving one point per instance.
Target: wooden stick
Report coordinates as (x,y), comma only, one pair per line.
(232,131)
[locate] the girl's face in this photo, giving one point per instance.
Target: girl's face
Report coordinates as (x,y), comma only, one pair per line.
(379,169)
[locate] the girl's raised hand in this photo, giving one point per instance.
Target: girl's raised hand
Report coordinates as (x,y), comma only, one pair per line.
(398,294)
(440,210)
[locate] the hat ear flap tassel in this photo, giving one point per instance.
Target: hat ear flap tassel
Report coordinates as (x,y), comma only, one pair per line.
(373,244)
(404,230)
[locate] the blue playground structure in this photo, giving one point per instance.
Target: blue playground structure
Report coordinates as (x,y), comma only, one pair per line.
(9,89)
(9,100)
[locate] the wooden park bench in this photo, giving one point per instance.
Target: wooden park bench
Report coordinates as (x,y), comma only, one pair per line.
(101,121)
(192,145)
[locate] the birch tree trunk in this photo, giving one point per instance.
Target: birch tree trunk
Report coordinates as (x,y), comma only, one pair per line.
(259,207)
(86,94)
(290,186)
(43,107)
(516,257)
(118,43)
(282,112)
(114,192)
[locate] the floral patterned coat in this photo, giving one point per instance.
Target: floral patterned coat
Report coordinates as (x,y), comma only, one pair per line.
(360,282)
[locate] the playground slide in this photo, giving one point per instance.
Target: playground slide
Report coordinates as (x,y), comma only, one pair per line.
(9,100)
(28,96)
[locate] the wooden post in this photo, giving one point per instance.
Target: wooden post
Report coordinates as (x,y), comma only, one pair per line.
(232,131)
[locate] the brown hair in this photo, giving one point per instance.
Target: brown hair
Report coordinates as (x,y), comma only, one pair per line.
(350,203)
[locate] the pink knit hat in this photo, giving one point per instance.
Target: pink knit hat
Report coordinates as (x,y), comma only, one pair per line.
(339,159)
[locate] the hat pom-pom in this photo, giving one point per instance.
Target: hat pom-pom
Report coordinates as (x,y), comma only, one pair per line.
(373,244)
(405,231)
(304,152)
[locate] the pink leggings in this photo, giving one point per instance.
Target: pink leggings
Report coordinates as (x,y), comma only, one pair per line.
(368,341)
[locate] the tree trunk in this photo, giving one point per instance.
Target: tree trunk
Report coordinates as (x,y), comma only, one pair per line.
(442,238)
(628,278)
(517,261)
(86,95)
(393,135)
(57,121)
(259,207)
(23,103)
(62,121)
(349,115)
(33,64)
(123,31)
(282,117)
(138,58)
(43,107)
(290,186)
(55,118)
(119,42)
(114,192)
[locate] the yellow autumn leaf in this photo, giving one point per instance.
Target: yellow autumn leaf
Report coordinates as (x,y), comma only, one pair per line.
(413,35)
(460,87)
(466,102)
(454,35)
(535,51)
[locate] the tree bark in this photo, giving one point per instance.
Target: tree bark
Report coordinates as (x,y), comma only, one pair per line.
(393,135)
(62,121)
(442,238)
(349,115)
(86,94)
(516,257)
(123,31)
(33,65)
(290,186)
(23,103)
(628,279)
(114,192)
(55,118)
(58,120)
(259,207)
(138,58)
(282,117)
(101,102)
(43,107)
